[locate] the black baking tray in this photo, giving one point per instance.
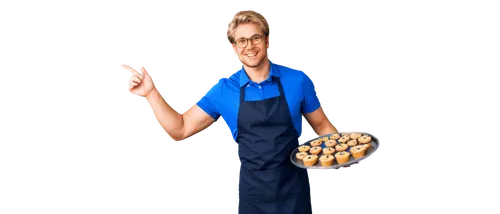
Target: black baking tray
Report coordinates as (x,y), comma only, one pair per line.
(374,146)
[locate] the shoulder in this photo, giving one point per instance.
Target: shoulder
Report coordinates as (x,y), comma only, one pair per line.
(289,75)
(217,97)
(225,84)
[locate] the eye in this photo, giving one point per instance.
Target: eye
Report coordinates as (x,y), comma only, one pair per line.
(257,38)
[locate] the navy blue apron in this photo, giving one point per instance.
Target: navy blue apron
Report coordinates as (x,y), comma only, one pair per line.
(269,182)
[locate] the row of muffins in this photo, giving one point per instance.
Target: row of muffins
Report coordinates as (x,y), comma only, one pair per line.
(339,143)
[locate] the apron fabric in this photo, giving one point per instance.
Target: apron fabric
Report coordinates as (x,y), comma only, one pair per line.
(269,182)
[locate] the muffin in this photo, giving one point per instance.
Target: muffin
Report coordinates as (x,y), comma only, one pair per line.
(344,139)
(304,148)
(328,151)
(355,135)
(341,147)
(323,139)
(315,143)
(366,145)
(300,155)
(365,139)
(335,136)
(352,143)
(310,160)
(342,157)
(358,151)
(330,143)
(315,150)
(326,160)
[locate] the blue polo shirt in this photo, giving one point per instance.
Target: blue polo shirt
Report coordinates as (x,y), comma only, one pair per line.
(223,98)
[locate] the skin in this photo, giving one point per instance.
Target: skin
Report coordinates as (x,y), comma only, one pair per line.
(253,57)
(181,126)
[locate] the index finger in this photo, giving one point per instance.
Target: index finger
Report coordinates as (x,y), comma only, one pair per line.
(130,69)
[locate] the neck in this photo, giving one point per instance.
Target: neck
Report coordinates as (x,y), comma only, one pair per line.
(259,73)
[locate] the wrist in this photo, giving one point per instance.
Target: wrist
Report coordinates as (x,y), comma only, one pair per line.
(152,94)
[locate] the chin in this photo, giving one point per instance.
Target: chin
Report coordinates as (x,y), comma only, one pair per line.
(253,64)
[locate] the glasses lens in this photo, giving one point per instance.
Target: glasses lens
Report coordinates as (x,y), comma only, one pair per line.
(241,43)
(256,39)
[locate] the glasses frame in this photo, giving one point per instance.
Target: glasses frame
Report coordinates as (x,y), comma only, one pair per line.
(251,39)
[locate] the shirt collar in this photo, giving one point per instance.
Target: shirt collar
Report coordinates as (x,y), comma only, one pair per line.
(273,72)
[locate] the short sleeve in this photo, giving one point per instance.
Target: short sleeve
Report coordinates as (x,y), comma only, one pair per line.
(210,102)
(310,101)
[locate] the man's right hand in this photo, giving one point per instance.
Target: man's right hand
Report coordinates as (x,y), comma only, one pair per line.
(140,84)
(178,126)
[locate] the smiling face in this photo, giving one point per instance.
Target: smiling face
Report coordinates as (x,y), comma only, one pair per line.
(252,56)
(249,26)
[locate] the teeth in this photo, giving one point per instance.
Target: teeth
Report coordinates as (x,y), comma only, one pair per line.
(250,54)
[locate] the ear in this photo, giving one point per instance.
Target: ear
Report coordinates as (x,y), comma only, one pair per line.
(235,48)
(267,41)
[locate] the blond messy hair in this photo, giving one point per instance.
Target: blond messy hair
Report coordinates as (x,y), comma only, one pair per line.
(244,17)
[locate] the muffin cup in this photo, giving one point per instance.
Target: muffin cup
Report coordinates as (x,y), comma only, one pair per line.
(326,160)
(358,151)
(310,160)
(342,157)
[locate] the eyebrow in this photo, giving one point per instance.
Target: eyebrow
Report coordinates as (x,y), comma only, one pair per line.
(250,37)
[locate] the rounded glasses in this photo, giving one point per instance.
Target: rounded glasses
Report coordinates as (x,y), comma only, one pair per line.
(243,42)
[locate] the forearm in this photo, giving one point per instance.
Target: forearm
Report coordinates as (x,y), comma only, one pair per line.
(326,128)
(169,119)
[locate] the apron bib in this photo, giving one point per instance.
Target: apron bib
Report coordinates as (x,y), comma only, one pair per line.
(269,182)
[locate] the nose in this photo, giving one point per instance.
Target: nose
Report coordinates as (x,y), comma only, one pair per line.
(249,45)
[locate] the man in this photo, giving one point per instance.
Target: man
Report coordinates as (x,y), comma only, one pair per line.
(263,104)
